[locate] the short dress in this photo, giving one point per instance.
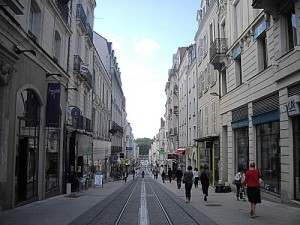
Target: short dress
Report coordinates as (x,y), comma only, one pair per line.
(253,190)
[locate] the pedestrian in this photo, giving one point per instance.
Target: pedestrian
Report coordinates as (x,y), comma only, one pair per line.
(133,173)
(163,176)
(238,182)
(178,175)
(125,176)
(188,183)
(143,174)
(196,177)
(204,179)
(253,190)
(170,174)
(156,174)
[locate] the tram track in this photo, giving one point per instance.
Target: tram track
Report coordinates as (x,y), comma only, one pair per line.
(142,201)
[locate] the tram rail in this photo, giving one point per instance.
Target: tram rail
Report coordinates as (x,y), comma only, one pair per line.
(142,201)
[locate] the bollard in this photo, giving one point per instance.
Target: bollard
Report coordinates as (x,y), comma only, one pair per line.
(68,188)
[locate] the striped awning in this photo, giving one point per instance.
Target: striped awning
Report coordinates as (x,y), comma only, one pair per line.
(180,151)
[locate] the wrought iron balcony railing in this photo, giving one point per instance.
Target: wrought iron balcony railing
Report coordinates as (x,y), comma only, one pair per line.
(77,62)
(64,9)
(273,6)
(89,32)
(219,47)
(80,14)
(89,79)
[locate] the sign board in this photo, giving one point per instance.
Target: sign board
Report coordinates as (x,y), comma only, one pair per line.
(292,105)
(75,112)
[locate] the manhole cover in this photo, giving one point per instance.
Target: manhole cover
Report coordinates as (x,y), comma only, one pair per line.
(213,205)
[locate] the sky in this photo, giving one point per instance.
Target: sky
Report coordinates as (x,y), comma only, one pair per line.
(145,35)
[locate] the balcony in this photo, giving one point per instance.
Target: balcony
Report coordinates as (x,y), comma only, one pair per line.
(14,5)
(77,62)
(218,52)
(89,34)
(81,17)
(274,7)
(85,75)
(89,79)
(64,9)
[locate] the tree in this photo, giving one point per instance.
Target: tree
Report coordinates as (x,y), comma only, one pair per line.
(144,145)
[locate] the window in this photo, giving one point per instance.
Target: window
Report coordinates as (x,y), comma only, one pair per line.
(52,158)
(223,80)
(200,50)
(262,52)
(238,71)
(291,30)
(296,135)
(268,135)
(206,120)
(237,22)
(33,20)
(202,81)
(57,45)
(242,147)
(214,117)
(211,33)
(205,45)
(200,123)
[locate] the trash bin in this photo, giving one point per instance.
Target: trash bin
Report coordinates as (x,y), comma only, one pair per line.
(81,182)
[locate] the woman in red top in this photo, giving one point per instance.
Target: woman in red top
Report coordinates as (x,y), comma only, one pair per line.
(253,190)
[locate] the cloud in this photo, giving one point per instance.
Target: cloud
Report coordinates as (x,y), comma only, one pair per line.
(146,47)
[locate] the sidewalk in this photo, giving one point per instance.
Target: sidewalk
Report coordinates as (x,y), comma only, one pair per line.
(59,210)
(224,209)
(221,207)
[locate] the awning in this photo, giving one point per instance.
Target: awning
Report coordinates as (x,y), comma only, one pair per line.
(180,151)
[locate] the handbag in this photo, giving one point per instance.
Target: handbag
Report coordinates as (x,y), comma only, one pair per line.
(261,183)
(184,180)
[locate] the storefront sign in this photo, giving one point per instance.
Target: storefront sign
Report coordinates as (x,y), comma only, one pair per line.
(240,123)
(260,29)
(293,105)
(236,52)
(53,105)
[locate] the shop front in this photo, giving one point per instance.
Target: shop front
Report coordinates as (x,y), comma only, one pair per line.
(293,112)
(265,119)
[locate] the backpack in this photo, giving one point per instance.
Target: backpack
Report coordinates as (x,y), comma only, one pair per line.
(238,178)
(203,176)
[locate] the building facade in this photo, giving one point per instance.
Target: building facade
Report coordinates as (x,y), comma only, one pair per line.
(258,122)
(61,101)
(34,75)
(101,108)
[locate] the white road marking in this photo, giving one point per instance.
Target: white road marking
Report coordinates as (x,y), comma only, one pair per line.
(143,220)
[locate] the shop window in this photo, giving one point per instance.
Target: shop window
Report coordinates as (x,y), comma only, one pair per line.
(242,147)
(26,164)
(296,137)
(269,155)
(52,158)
